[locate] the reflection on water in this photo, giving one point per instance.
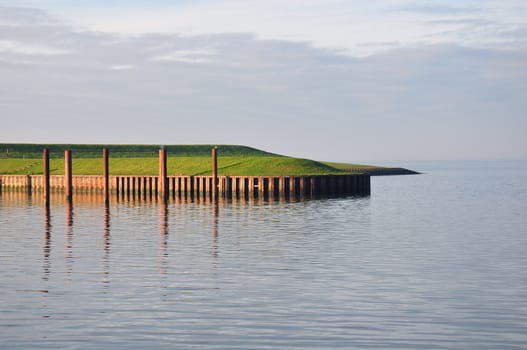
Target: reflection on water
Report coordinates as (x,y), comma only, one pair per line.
(47,242)
(394,270)
(107,241)
(215,213)
(68,241)
(163,237)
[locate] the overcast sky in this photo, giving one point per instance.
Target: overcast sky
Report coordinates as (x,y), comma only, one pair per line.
(339,80)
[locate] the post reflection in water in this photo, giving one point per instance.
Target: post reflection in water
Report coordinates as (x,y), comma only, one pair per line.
(163,237)
(68,241)
(215,211)
(107,238)
(47,242)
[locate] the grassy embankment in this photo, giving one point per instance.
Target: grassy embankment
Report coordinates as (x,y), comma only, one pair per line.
(182,160)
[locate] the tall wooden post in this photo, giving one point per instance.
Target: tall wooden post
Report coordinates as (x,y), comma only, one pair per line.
(106,174)
(68,175)
(163,190)
(45,159)
(215,172)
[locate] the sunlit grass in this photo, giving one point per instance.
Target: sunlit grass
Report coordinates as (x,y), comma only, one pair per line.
(227,165)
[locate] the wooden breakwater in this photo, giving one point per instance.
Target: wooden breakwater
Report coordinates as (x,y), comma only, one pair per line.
(195,186)
(164,186)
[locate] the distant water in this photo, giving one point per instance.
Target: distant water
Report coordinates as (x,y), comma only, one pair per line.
(433,261)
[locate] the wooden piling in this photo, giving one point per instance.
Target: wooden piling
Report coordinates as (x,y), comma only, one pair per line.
(189,186)
(117,187)
(28,184)
(281,185)
(253,183)
(215,172)
(261,186)
(244,183)
(163,186)
(68,175)
(292,186)
(45,159)
(106,174)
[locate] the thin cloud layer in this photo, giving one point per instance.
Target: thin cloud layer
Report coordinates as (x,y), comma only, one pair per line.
(421,102)
(352,26)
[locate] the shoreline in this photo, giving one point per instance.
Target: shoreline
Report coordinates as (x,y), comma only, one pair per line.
(390,171)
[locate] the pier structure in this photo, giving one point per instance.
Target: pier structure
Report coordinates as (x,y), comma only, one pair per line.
(165,187)
(196,186)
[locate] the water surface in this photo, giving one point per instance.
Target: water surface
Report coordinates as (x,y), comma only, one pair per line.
(430,261)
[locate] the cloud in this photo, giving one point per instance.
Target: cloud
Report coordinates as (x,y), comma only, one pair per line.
(414,102)
(19,17)
(187,56)
(122,67)
(349,26)
(438,9)
(14,47)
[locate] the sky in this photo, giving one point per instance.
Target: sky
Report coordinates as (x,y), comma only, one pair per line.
(339,80)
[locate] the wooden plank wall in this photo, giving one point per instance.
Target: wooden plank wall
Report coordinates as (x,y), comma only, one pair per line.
(199,186)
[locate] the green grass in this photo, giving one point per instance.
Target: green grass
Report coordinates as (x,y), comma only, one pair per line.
(350,167)
(227,165)
(21,150)
(23,159)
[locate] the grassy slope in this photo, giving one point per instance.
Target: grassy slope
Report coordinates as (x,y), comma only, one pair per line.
(20,150)
(371,169)
(227,165)
(143,160)
(348,167)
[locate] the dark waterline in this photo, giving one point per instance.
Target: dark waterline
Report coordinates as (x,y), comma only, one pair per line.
(430,261)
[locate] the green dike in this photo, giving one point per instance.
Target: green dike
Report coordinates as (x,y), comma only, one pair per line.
(373,170)
(22,150)
(23,159)
(227,165)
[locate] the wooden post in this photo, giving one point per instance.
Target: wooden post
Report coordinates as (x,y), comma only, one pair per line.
(178,186)
(221,186)
(324,185)
(193,185)
(281,185)
(252,186)
(302,185)
(215,172)
(261,187)
(241,183)
(348,184)
(163,190)
(340,185)
(68,175)
(271,186)
(45,159)
(106,174)
(361,184)
(150,187)
(185,186)
(29,184)
(292,186)
(133,186)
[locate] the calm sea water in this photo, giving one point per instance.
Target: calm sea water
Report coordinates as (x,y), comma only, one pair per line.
(434,261)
